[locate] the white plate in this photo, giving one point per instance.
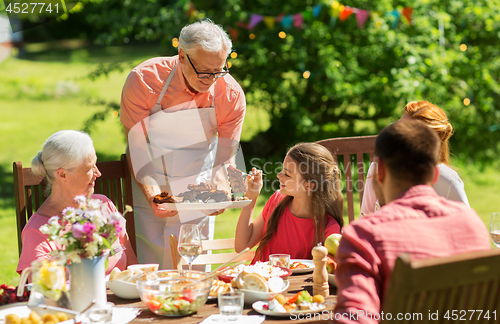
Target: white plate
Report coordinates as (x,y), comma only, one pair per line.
(21,310)
(258,306)
(331,280)
(309,263)
(253,296)
(207,206)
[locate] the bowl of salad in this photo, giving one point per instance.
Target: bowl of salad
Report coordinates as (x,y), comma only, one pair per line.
(174,292)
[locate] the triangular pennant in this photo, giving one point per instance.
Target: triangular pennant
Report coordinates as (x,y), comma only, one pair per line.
(191,9)
(269,21)
(242,25)
(298,20)
(254,20)
(317,10)
(336,9)
(395,18)
(344,14)
(286,22)
(308,15)
(279,17)
(234,33)
(362,16)
(407,13)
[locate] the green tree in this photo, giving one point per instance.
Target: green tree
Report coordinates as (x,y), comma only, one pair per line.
(358,79)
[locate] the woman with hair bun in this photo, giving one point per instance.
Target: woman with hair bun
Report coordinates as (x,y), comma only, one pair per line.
(68,163)
(448,184)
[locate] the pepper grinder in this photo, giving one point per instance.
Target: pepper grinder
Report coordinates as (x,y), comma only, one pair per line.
(320,275)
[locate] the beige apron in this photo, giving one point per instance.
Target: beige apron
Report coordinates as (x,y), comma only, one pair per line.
(182,142)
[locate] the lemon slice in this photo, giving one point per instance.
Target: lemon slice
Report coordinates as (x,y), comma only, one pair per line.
(255,282)
(275,284)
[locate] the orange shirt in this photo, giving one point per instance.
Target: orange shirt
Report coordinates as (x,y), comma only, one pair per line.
(143,87)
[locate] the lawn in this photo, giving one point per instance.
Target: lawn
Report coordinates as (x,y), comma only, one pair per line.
(45,92)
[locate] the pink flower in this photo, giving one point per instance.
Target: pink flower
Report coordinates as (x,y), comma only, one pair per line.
(78,231)
(88,229)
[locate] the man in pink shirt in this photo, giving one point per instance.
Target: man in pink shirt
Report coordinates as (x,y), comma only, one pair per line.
(182,117)
(413,219)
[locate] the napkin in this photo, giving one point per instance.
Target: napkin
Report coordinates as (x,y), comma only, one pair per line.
(123,315)
(242,319)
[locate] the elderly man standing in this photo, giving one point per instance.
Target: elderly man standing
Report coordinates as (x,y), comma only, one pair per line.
(413,219)
(182,117)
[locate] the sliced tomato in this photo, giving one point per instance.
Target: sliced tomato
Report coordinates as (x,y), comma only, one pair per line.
(294,298)
(153,305)
(188,295)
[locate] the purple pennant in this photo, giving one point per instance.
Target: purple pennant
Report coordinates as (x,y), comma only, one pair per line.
(362,16)
(254,20)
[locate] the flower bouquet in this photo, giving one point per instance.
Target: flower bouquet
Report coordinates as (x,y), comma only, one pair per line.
(85,231)
(84,235)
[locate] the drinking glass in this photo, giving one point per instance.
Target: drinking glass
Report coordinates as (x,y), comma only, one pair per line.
(189,242)
(231,305)
(495,228)
(101,313)
(280,260)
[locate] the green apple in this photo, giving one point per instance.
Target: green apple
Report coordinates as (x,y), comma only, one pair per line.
(332,243)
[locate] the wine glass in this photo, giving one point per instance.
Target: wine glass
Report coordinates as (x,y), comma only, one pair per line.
(495,228)
(189,242)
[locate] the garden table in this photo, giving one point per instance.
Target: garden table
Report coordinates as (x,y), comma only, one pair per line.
(297,283)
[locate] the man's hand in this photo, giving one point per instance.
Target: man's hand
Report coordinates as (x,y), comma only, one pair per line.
(161,212)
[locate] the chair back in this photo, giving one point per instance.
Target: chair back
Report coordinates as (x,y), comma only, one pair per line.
(115,182)
(355,150)
(209,259)
(452,286)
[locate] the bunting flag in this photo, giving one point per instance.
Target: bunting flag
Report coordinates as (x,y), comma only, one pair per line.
(336,10)
(346,13)
(308,15)
(317,10)
(407,13)
(362,16)
(395,18)
(287,22)
(269,21)
(234,33)
(298,20)
(254,20)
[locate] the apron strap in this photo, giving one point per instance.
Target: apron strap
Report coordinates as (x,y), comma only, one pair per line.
(158,106)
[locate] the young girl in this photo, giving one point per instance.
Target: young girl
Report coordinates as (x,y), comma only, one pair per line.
(307,208)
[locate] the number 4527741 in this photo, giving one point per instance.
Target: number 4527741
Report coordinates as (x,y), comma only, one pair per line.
(32,8)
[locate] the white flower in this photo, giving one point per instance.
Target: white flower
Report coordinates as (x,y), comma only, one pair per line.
(92,247)
(74,257)
(94,204)
(54,221)
(45,229)
(81,199)
(115,217)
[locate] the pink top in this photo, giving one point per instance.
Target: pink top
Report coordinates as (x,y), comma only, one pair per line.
(37,246)
(420,223)
(144,84)
(294,235)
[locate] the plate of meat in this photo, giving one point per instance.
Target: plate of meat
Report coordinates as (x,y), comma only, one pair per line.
(201,196)
(301,265)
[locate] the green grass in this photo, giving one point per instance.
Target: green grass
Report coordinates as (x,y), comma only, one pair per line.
(31,110)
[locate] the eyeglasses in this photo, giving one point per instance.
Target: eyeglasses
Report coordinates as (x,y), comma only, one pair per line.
(206,75)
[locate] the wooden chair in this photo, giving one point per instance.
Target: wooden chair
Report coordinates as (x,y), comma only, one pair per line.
(209,259)
(115,182)
(459,286)
(345,147)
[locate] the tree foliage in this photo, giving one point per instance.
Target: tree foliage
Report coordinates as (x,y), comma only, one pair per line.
(359,78)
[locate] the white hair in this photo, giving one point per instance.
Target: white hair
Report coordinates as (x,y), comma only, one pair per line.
(205,34)
(66,149)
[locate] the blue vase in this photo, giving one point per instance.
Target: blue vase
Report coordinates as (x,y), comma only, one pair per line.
(88,282)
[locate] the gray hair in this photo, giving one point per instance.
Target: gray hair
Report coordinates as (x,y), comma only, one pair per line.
(211,37)
(66,149)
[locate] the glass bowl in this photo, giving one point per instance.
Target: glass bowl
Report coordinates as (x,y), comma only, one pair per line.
(174,292)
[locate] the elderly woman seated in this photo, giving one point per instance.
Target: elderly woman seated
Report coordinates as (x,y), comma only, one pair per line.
(68,162)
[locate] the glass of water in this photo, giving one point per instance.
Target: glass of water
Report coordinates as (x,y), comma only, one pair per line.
(495,228)
(231,305)
(101,313)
